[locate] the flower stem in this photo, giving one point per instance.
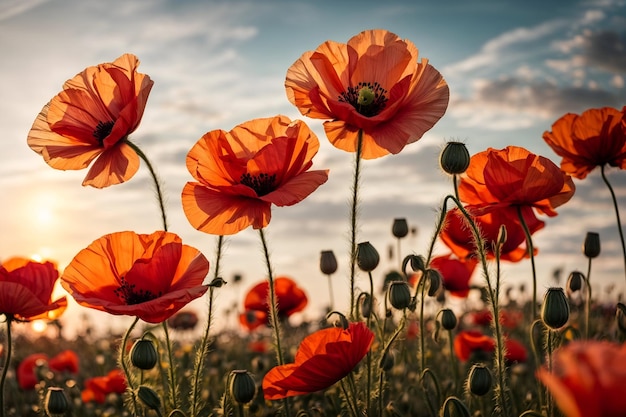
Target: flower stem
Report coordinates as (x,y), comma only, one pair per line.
(204,344)
(353,220)
(588,299)
(157,183)
(172,371)
(5,368)
(531,252)
(124,363)
(619,223)
(274,311)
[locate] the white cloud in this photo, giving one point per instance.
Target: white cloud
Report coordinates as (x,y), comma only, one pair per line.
(12,8)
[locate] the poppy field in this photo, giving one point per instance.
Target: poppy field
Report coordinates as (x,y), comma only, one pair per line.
(410,344)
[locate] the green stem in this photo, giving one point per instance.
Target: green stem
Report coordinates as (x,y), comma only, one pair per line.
(157,183)
(455,366)
(619,223)
(353,221)
(124,362)
(353,411)
(588,299)
(5,368)
(172,371)
(330,293)
(273,304)
(549,396)
(369,352)
(204,344)
(531,252)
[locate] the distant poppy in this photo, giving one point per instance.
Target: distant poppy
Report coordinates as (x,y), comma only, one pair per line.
(183,320)
(322,359)
(456,273)
(27,377)
(289,297)
(594,138)
(241,173)
(147,276)
(91,120)
(26,288)
(467,342)
(514,177)
(508,319)
(515,351)
(588,379)
(65,361)
(97,388)
(373,83)
(458,236)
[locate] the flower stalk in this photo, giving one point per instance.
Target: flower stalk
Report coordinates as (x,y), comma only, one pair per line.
(353,221)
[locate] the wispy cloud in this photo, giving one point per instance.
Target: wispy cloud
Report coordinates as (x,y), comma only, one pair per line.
(12,8)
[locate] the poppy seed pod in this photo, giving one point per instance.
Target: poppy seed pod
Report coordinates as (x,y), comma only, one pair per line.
(56,402)
(448,319)
(555,309)
(387,361)
(400,228)
(242,386)
(435,282)
(367,257)
(399,294)
(143,354)
(591,247)
(149,397)
(575,281)
(479,380)
(328,262)
(454,158)
(366,304)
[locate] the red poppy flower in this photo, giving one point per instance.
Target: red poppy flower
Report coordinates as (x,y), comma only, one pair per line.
(27,377)
(243,172)
(468,341)
(456,273)
(66,361)
(458,236)
(594,138)
(91,120)
(514,177)
(588,379)
(515,351)
(26,290)
(147,276)
(322,359)
(97,388)
(375,84)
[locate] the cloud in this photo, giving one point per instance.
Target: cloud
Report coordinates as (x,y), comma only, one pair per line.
(513,103)
(12,8)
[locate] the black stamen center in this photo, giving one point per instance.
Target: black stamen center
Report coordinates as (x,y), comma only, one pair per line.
(375,102)
(132,296)
(103,129)
(262,184)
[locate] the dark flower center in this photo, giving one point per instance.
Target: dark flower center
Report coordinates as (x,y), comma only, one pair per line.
(131,295)
(103,129)
(367,98)
(262,184)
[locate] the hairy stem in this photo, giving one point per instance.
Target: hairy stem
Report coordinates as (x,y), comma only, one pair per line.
(615,206)
(353,221)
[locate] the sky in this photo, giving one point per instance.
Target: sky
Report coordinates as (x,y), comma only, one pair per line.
(513,69)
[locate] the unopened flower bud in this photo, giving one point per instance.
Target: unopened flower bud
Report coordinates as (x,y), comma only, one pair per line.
(328,262)
(479,379)
(143,354)
(366,304)
(399,294)
(343,321)
(448,319)
(56,402)
(434,281)
(575,281)
(242,386)
(591,247)
(502,235)
(400,228)
(217,283)
(149,397)
(367,257)
(454,158)
(555,309)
